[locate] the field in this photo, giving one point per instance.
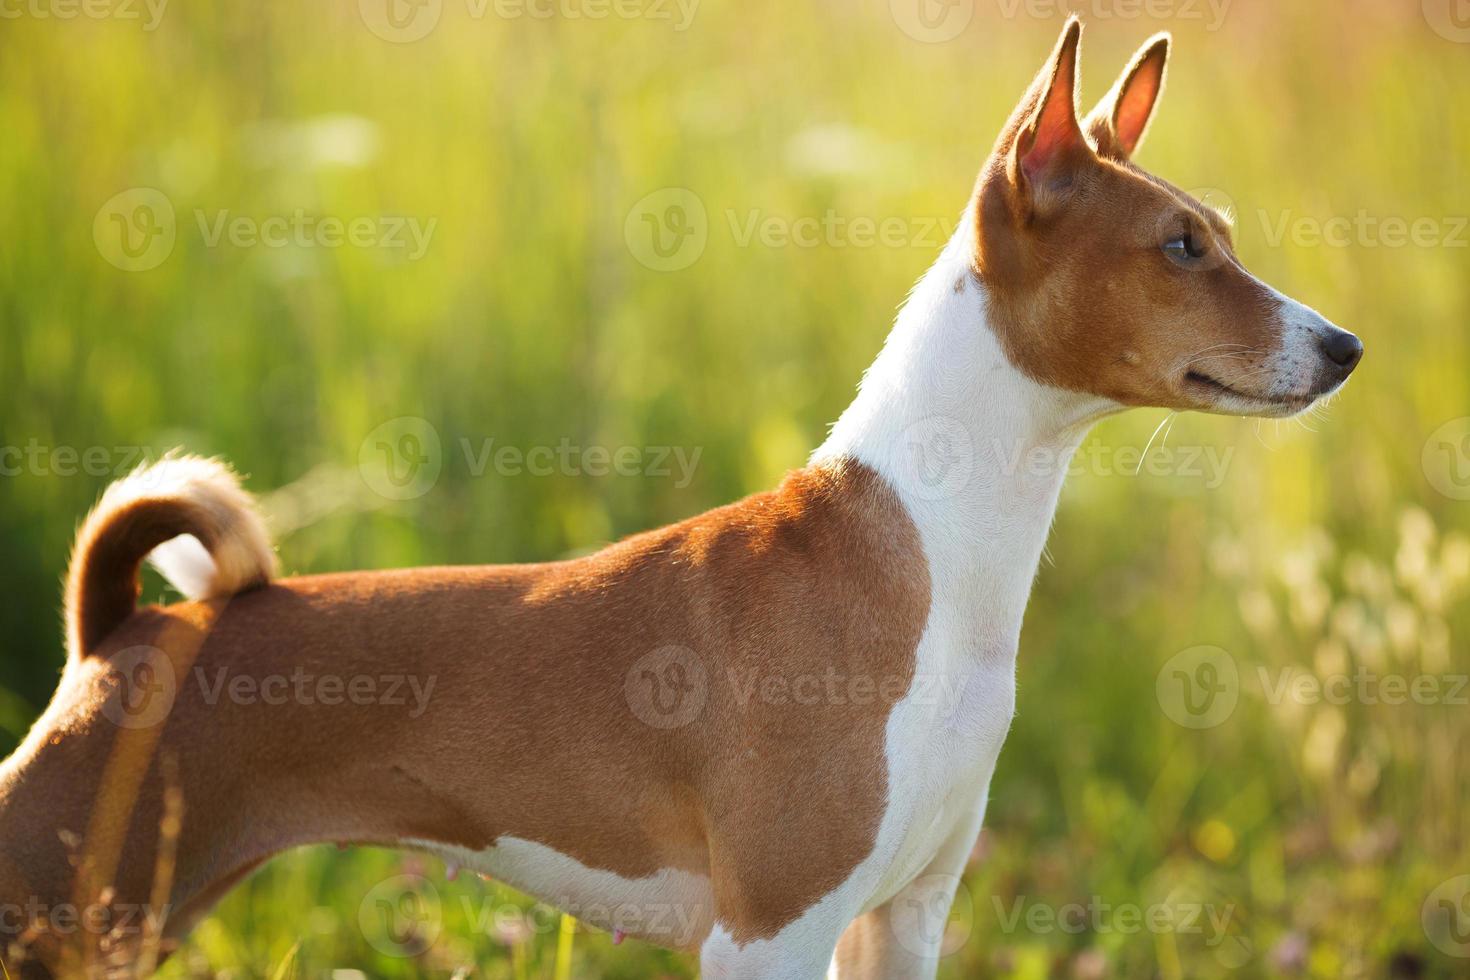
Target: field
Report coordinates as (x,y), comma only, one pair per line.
(288,233)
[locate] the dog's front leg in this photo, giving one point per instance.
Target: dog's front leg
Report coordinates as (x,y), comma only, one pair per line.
(903,939)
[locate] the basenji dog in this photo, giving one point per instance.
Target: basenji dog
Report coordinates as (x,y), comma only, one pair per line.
(764,734)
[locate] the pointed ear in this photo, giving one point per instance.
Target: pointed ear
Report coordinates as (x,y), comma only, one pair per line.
(1119,122)
(1048,142)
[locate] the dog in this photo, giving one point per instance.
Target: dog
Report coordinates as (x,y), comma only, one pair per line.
(765,734)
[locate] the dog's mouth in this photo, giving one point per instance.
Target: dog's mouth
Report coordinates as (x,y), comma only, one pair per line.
(1217,394)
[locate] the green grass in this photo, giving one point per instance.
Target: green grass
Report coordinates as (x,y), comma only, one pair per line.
(1324,546)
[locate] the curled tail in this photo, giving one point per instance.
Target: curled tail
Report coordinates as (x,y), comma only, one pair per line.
(157,503)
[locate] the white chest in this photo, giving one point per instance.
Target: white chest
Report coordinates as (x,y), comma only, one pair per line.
(943,743)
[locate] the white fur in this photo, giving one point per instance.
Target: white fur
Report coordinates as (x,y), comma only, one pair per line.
(999,445)
(942,379)
(669,907)
(1292,376)
(977,453)
(943,384)
(1294,369)
(242,554)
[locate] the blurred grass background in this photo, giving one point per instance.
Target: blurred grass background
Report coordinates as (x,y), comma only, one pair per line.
(527,142)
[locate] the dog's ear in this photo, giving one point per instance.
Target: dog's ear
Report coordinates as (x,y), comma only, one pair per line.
(1046,144)
(1118,124)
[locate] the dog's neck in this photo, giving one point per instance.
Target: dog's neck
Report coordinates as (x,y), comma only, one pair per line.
(976,450)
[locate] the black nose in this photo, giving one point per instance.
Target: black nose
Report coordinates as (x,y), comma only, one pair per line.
(1343,349)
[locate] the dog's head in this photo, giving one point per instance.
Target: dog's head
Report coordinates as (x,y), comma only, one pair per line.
(1107,280)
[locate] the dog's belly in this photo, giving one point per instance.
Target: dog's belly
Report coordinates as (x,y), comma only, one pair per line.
(670,907)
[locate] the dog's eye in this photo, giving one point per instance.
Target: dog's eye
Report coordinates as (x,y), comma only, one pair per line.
(1184,248)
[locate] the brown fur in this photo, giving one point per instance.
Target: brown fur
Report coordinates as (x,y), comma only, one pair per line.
(533,729)
(1068,243)
(529,721)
